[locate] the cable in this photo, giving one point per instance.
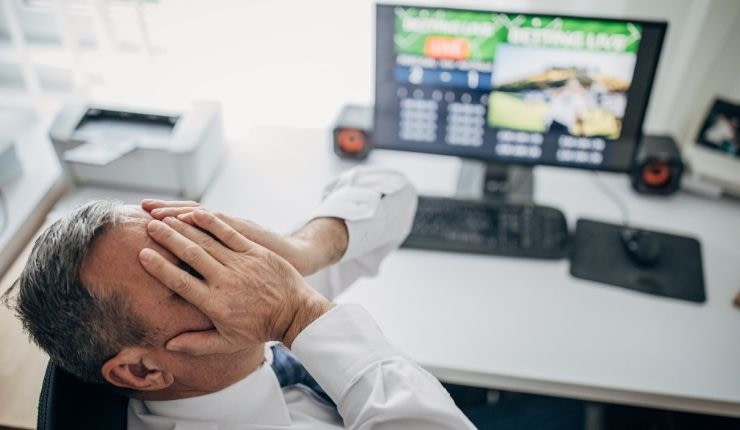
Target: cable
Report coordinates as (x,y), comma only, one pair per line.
(614,197)
(5,213)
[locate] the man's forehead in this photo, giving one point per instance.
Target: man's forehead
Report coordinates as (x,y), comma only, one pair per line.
(130,229)
(135,212)
(114,254)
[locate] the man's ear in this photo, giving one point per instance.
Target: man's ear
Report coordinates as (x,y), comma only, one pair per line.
(135,368)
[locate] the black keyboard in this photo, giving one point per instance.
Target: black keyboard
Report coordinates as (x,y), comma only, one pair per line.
(531,231)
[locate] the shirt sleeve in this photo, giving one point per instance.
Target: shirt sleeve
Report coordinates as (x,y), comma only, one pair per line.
(378,206)
(373,384)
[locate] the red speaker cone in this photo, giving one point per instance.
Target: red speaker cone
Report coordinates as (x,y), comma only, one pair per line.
(351,141)
(656,173)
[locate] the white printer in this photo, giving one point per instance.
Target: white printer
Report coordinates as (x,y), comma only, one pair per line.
(163,151)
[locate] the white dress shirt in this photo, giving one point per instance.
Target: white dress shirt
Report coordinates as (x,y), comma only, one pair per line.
(373,384)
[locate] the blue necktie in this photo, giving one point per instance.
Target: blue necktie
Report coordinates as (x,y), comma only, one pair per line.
(290,371)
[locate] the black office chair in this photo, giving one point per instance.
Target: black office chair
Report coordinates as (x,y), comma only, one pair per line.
(68,403)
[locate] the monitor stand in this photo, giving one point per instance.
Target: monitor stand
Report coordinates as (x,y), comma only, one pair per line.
(497,182)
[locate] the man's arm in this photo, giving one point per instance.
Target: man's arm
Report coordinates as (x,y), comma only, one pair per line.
(252,296)
(319,243)
(365,213)
(378,207)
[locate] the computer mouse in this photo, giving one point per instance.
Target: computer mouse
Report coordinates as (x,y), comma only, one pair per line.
(642,247)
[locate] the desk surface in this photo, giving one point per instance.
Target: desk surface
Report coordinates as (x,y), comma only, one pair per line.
(520,324)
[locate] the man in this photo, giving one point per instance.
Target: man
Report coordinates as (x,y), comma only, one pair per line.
(177,313)
(567,106)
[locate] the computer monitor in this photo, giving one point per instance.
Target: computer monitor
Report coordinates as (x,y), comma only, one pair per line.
(514,88)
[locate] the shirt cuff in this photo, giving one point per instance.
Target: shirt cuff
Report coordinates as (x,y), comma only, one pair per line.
(368,198)
(349,204)
(339,345)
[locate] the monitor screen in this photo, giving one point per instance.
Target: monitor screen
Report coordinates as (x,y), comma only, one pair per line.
(512,87)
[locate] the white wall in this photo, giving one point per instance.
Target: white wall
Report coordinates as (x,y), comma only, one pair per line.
(712,70)
(701,59)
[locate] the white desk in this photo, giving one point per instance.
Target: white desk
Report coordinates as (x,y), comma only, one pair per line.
(518,324)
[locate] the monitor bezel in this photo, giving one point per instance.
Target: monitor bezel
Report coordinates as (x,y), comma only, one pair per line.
(649,68)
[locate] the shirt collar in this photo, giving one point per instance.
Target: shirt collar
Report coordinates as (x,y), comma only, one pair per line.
(256,399)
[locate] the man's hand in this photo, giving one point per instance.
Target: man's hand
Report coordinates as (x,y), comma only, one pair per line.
(251,294)
(316,245)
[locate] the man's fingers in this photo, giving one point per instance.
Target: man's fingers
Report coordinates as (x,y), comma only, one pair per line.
(252,231)
(184,248)
(201,343)
(162,213)
(282,246)
(151,204)
(248,229)
(208,243)
(224,232)
(174,278)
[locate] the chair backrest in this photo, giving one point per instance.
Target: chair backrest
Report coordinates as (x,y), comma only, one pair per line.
(68,403)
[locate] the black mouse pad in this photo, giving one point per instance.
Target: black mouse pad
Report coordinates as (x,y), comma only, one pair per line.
(598,254)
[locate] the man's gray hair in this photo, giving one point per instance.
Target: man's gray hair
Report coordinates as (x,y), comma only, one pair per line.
(78,327)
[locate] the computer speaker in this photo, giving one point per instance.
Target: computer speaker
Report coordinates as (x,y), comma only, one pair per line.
(352,132)
(658,167)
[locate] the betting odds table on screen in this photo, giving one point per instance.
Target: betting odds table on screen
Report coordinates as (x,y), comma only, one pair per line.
(513,88)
